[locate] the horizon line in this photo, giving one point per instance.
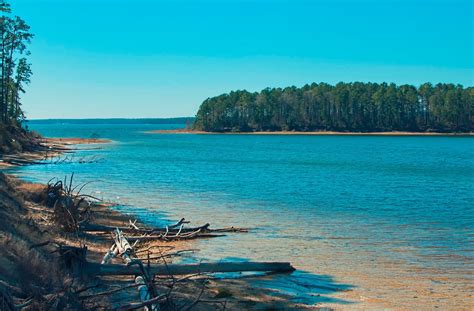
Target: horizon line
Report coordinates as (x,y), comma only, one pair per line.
(111,118)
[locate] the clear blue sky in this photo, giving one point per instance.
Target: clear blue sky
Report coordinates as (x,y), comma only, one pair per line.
(152,58)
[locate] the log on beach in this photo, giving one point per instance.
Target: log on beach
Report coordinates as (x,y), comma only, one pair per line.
(178,269)
(146,288)
(169,238)
(191,236)
(173,229)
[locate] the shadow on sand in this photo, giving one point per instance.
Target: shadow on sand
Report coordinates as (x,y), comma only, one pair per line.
(287,291)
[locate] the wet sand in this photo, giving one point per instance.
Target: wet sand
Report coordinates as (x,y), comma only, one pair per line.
(74,141)
(397,288)
(37,224)
(48,148)
(235,294)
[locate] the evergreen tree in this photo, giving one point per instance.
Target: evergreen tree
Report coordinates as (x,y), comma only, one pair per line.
(15,70)
(361,107)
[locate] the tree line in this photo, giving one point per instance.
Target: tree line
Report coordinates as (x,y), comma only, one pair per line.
(358,107)
(16,71)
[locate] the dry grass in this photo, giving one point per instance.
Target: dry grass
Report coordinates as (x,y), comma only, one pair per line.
(35,276)
(33,271)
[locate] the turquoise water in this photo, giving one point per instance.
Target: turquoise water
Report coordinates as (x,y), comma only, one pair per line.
(332,205)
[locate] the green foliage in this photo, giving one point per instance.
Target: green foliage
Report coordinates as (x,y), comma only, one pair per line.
(359,107)
(15,70)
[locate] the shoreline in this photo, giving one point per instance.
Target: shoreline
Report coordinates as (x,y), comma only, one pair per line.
(359,295)
(27,208)
(47,148)
(312,133)
(75,141)
(37,219)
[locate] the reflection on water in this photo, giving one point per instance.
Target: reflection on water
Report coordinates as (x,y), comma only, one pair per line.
(390,216)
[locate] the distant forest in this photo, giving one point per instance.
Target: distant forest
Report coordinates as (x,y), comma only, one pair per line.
(358,107)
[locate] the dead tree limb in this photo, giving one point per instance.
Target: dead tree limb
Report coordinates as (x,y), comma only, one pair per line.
(146,287)
(177,269)
(174,229)
(174,238)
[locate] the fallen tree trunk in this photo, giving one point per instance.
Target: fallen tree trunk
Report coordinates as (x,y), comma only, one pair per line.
(162,238)
(146,288)
(174,238)
(205,228)
(171,229)
(102,228)
(177,269)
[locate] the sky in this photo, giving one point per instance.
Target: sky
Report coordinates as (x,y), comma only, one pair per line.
(162,58)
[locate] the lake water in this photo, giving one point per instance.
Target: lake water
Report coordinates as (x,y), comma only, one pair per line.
(390,218)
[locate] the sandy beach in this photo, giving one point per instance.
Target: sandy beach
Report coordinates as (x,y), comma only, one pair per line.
(315,133)
(29,227)
(236,155)
(369,291)
(47,148)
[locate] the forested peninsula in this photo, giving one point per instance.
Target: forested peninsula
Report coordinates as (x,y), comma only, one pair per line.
(15,74)
(344,107)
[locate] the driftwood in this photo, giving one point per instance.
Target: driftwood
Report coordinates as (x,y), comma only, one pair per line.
(144,274)
(178,269)
(169,255)
(148,238)
(46,154)
(169,230)
(169,233)
(134,228)
(123,246)
(71,209)
(146,287)
(103,228)
(192,236)
(111,253)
